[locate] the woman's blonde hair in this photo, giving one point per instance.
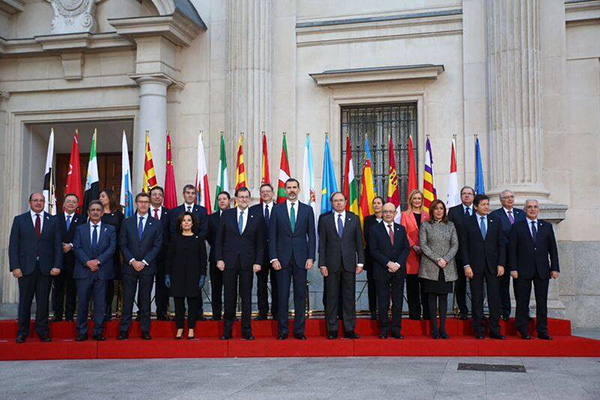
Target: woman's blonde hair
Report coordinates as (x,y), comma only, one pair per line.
(412,194)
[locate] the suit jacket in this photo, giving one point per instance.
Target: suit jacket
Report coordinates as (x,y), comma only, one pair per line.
(283,243)
(257,211)
(528,257)
(480,254)
(408,221)
(24,246)
(67,237)
(146,249)
(82,247)
(213,227)
(336,253)
(201,217)
(368,223)
(383,252)
(230,244)
(457,216)
(518,215)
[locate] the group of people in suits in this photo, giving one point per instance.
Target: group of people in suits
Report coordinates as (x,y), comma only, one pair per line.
(434,254)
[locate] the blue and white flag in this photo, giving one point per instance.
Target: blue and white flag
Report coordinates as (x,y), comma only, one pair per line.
(479,185)
(126,195)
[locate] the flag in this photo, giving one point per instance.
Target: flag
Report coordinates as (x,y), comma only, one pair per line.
(284,172)
(203,191)
(74,175)
(350,189)
(240,168)
(412,170)
(92,184)
(264,166)
(479,185)
(308,179)
(328,181)
(367,189)
(222,178)
(429,194)
(50,205)
(126,199)
(393,194)
(149,176)
(170,189)
(453,191)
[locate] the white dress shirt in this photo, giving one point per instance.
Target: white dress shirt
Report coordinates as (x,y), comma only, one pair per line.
(92,230)
(34,217)
(537,226)
(289,207)
(188,207)
(244,217)
(159,209)
(470,209)
(485,221)
(336,215)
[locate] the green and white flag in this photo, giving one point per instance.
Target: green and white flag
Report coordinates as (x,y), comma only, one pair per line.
(222,179)
(92,184)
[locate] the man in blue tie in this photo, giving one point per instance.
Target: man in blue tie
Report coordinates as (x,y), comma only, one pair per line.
(263,210)
(140,240)
(483,259)
(533,261)
(94,245)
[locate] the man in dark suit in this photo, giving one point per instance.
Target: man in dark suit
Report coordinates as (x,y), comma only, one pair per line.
(162,214)
(239,249)
(190,196)
(533,260)
(341,258)
(94,245)
(141,242)
(459,215)
(483,257)
(264,210)
(369,222)
(216,275)
(292,246)
(64,292)
(35,254)
(389,250)
(507,215)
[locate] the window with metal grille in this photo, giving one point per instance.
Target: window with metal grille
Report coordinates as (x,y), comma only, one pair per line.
(377,122)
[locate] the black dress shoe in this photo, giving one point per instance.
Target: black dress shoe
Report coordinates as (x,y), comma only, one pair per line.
(191,337)
(99,338)
(81,338)
(382,336)
(260,318)
(225,337)
(397,336)
(463,316)
(300,337)
(249,337)
(162,318)
(21,339)
(69,319)
(332,336)
(351,335)
(505,317)
(57,318)
(45,338)
(497,336)
(480,336)
(146,336)
(215,318)
(281,337)
(544,336)
(525,336)
(435,335)
(444,335)
(123,336)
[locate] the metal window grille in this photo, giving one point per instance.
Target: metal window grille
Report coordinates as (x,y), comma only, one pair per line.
(377,122)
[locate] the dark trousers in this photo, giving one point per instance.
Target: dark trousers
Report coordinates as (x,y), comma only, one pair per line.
(393,286)
(284,281)
(438,302)
(231,279)
(460,289)
(416,297)
(29,285)
(110,294)
(161,295)
(64,294)
(216,290)
(130,283)
(523,294)
(200,306)
(504,282)
(493,295)
(180,311)
(262,291)
(91,288)
(371,291)
(344,281)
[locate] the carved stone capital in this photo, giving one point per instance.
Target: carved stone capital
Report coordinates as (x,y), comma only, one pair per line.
(71,16)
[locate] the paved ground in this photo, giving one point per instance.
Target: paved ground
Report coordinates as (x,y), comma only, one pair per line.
(300,378)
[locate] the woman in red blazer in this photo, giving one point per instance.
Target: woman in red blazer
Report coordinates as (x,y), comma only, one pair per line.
(411,220)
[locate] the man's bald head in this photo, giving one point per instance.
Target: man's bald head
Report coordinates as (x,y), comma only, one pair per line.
(389,212)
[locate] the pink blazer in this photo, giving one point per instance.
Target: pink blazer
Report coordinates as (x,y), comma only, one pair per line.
(408,221)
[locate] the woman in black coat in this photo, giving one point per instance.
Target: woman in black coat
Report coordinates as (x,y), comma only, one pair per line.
(186,272)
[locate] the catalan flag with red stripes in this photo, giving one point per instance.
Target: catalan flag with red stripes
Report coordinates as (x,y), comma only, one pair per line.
(149,175)
(240,168)
(429,193)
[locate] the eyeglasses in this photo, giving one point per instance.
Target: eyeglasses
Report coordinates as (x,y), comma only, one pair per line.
(508,197)
(389,212)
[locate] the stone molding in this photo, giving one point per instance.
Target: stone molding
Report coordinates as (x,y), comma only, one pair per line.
(378,74)
(73,16)
(582,12)
(75,41)
(12,7)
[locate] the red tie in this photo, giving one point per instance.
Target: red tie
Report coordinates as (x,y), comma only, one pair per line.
(38,226)
(391,233)
(156,213)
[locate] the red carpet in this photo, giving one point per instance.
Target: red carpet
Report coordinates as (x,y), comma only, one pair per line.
(417,343)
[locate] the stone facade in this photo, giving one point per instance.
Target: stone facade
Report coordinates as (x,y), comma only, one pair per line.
(524,76)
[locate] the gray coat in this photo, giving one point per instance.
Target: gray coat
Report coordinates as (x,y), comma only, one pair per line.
(438,240)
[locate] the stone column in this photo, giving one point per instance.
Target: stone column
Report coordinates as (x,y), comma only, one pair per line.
(514,86)
(249,80)
(153,118)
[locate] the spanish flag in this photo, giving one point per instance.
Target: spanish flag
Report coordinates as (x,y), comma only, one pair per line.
(240,169)
(367,192)
(149,176)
